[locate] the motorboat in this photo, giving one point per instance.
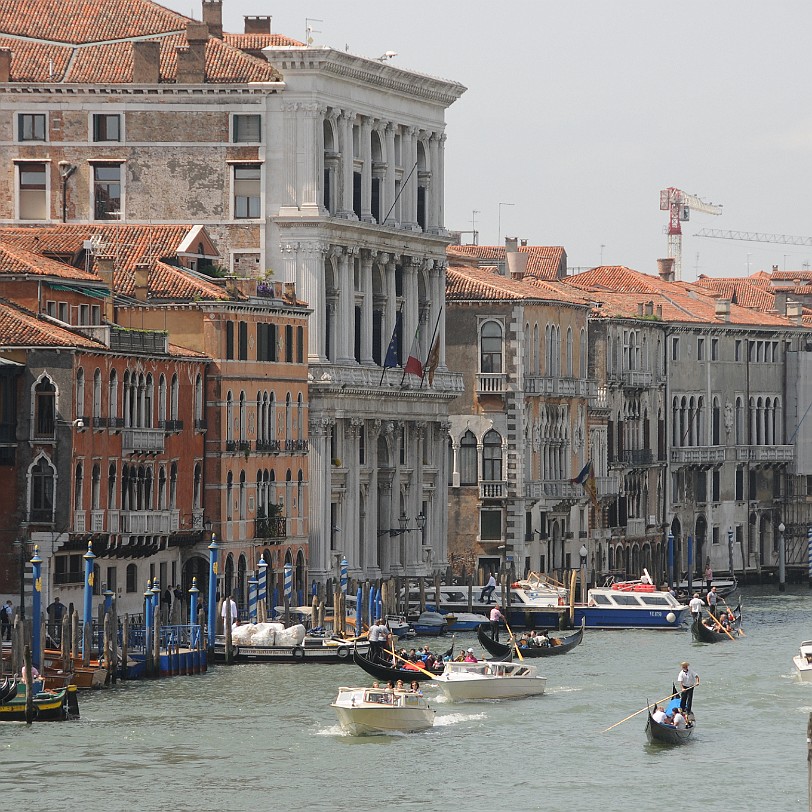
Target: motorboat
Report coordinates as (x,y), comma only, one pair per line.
(630,605)
(429,623)
(489,679)
(724,586)
(464,621)
(803,661)
(399,626)
(380,710)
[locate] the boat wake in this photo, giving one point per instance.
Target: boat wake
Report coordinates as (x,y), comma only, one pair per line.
(449,719)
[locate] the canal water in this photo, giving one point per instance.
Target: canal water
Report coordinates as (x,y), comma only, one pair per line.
(263,737)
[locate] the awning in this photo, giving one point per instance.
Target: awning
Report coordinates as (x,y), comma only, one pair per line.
(96,294)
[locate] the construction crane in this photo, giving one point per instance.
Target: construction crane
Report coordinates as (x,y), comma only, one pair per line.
(678,204)
(753,236)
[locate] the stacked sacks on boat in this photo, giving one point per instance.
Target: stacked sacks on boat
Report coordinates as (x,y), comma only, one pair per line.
(267,634)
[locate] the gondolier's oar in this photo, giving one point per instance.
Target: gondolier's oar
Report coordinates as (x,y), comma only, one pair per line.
(513,638)
(631,715)
(731,612)
(418,667)
(719,625)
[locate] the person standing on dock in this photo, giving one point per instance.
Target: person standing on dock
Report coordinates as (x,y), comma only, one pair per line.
(496,616)
(487,591)
(6,616)
(230,610)
(687,680)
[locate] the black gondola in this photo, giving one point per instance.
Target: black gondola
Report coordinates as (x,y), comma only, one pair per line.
(384,672)
(501,650)
(704,634)
(8,690)
(668,734)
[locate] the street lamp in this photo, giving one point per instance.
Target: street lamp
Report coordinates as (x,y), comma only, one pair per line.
(782,558)
(583,552)
(403,521)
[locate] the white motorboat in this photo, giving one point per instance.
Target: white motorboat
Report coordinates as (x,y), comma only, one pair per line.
(381,710)
(490,680)
(399,626)
(803,661)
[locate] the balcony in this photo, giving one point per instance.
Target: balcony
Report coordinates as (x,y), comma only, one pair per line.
(302,445)
(231,445)
(637,378)
(491,489)
(635,527)
(96,521)
(765,453)
(99,422)
(115,423)
(201,424)
(142,441)
(41,516)
(268,445)
(79,525)
(173,426)
(637,456)
(150,342)
(491,383)
(607,486)
(553,489)
(699,455)
(148,522)
(558,387)
(274,527)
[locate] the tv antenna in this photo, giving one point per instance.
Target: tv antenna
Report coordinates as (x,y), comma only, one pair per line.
(309,30)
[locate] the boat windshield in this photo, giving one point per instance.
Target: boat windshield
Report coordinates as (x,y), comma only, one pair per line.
(655,600)
(379,697)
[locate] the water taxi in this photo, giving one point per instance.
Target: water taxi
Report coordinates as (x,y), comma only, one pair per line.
(803,661)
(461,682)
(380,710)
(631,605)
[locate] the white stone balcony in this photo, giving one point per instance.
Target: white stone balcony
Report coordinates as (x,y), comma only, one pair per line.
(607,486)
(635,527)
(491,383)
(357,376)
(142,441)
(79,521)
(637,378)
(765,453)
(96,521)
(489,489)
(553,490)
(699,455)
(148,522)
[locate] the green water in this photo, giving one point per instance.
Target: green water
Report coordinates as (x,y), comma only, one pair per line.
(264,737)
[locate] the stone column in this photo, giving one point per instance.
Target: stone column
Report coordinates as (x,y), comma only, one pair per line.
(391,297)
(320,564)
(417,492)
(410,311)
(389,180)
(342,321)
(391,429)
(352,432)
(366,307)
(433,202)
(312,159)
(288,199)
(441,274)
(439,539)
(366,170)
(345,121)
(439,185)
(408,196)
(371,560)
(310,288)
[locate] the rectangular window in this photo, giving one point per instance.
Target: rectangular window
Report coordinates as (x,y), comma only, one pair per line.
(84,314)
(229,340)
(111,578)
(32,185)
(700,349)
(50,308)
(715,535)
(246,191)
(714,349)
(246,129)
(107,191)
(675,349)
(288,344)
(701,486)
(95,314)
(242,347)
(809,485)
(715,485)
(753,489)
(739,483)
(738,350)
(63,312)
(300,345)
(31,127)
(106,127)
(490,525)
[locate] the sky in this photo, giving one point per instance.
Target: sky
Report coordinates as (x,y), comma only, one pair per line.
(577,114)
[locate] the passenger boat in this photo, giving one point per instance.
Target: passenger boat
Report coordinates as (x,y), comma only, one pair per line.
(429,623)
(563,645)
(379,710)
(631,605)
(297,646)
(90,676)
(490,679)
(803,661)
(715,633)
(48,705)
(386,672)
(657,732)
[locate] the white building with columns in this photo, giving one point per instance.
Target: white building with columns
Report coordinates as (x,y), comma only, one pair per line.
(354,216)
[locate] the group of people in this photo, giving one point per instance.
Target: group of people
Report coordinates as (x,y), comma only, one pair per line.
(539,639)
(719,619)
(674,717)
(679,716)
(415,659)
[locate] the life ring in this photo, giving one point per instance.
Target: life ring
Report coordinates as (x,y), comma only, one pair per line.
(561,601)
(297,653)
(343,652)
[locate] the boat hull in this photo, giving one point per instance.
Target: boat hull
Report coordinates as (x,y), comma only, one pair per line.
(458,688)
(310,653)
(803,668)
(364,721)
(665,734)
(48,707)
(531,652)
(596,617)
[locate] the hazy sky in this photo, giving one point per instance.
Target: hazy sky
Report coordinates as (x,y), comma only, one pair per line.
(578,113)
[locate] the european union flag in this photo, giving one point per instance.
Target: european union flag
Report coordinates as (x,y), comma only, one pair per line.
(391,359)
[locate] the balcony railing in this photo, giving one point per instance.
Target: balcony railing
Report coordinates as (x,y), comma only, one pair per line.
(148,522)
(637,456)
(96,521)
(765,453)
(552,489)
(115,423)
(274,527)
(302,445)
(607,486)
(557,386)
(635,527)
(142,441)
(491,489)
(173,425)
(79,522)
(41,516)
(637,378)
(491,383)
(201,424)
(699,455)
(64,578)
(268,445)
(99,422)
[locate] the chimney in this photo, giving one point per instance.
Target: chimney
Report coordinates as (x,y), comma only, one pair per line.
(290,292)
(146,62)
(213,17)
(775,269)
(257,25)
(665,268)
(104,268)
(723,309)
(141,287)
(517,264)
(5,64)
(277,290)
(794,311)
(192,60)
(649,309)
(243,286)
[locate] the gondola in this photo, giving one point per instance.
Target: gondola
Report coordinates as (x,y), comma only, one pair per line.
(384,672)
(667,734)
(705,635)
(8,689)
(500,650)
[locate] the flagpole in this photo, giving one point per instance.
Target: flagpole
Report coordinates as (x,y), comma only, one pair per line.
(431,346)
(389,345)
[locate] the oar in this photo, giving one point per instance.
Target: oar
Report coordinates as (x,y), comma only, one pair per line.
(418,667)
(719,625)
(513,638)
(664,699)
(739,630)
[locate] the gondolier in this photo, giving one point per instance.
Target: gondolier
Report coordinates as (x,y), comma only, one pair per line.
(378,637)
(496,616)
(687,680)
(712,599)
(695,605)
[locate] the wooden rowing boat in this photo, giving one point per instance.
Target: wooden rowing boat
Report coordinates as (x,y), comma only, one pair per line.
(501,650)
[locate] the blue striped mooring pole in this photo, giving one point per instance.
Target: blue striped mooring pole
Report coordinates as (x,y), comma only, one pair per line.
(252,599)
(212,608)
(195,630)
(87,608)
(36,609)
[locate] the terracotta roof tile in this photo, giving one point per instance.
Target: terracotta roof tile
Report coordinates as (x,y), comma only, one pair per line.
(740,291)
(22,328)
(15,261)
(256,42)
(545,262)
(90,41)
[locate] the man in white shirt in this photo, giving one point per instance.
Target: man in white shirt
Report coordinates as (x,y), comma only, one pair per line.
(487,591)
(229,609)
(378,636)
(679,722)
(696,605)
(659,715)
(686,681)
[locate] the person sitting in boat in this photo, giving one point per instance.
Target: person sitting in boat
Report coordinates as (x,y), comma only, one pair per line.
(425,653)
(469,657)
(415,688)
(679,721)
(658,714)
(541,639)
(668,719)
(460,657)
(399,685)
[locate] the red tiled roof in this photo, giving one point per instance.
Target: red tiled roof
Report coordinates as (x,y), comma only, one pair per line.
(90,41)
(617,278)
(130,245)
(256,42)
(740,291)
(17,261)
(22,328)
(545,262)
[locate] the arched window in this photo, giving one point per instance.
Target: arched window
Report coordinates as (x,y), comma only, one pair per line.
(243,424)
(229,418)
(716,419)
(739,421)
(583,372)
(490,342)
(174,398)
(97,397)
(300,508)
(41,498)
(161,400)
(80,393)
(243,503)
(468,466)
(300,432)
(78,484)
(44,409)
(229,496)
(288,417)
(199,398)
(198,485)
(161,488)
(569,352)
(492,457)
(173,486)
(111,486)
(149,389)
(131,578)
(95,496)
(112,397)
